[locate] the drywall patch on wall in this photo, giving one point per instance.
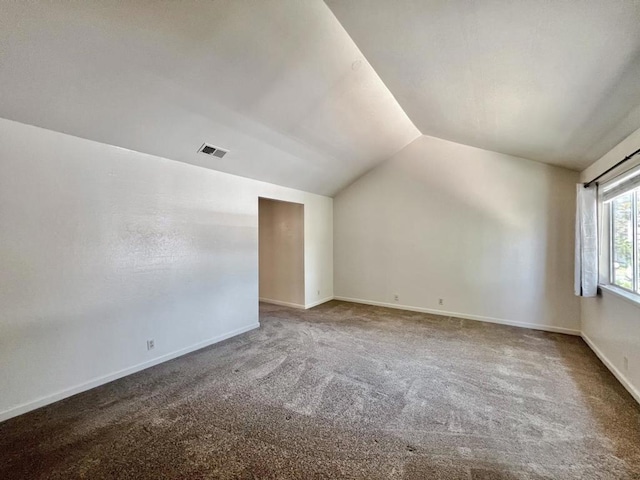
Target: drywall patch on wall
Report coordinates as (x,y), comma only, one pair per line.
(103,249)
(443,226)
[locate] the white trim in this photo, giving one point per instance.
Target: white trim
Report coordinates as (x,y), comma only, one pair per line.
(630,297)
(319,302)
(96,382)
(617,373)
(535,326)
(282,304)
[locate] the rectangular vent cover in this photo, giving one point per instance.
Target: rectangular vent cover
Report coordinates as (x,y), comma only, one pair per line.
(212,151)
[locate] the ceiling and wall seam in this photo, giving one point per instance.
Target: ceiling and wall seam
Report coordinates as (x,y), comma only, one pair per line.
(312,95)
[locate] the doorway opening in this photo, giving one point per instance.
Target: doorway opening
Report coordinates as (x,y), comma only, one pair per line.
(281,252)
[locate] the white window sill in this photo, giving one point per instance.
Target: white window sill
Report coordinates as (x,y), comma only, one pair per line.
(632,298)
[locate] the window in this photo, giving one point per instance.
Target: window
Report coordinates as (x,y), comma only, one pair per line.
(622,215)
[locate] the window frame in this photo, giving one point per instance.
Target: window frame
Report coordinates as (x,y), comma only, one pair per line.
(634,249)
(607,254)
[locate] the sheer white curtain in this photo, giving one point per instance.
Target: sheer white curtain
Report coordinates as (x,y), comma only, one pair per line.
(586,254)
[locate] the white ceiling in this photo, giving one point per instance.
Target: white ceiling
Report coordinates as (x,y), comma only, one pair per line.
(553,81)
(283,86)
(277,82)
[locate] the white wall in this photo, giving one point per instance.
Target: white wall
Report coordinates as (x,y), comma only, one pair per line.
(281,252)
(102,248)
(611,324)
(490,234)
(318,249)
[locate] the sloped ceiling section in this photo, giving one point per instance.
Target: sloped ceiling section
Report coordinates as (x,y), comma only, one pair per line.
(553,81)
(279,83)
(283,86)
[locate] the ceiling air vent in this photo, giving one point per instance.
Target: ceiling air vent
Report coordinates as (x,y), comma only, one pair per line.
(212,151)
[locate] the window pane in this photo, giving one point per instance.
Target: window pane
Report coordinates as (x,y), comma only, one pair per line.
(622,244)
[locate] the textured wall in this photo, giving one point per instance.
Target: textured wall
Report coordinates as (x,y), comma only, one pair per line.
(491,235)
(103,248)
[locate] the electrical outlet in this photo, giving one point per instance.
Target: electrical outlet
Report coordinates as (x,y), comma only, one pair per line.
(440,301)
(626,363)
(151,344)
(396,298)
(318,292)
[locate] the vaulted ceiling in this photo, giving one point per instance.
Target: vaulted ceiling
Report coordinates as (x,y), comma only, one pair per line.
(553,81)
(300,101)
(279,83)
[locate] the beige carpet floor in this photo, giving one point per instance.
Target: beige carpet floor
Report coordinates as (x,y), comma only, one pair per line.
(345,391)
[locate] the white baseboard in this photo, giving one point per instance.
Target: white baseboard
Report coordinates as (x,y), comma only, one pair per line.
(282,304)
(546,328)
(319,302)
(54,397)
(617,373)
